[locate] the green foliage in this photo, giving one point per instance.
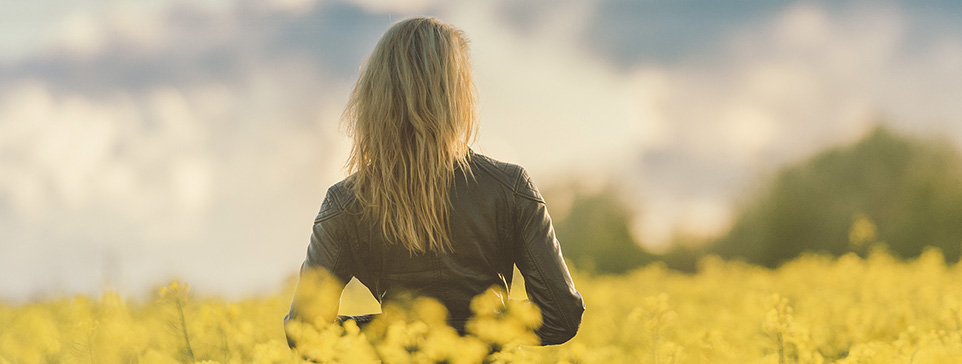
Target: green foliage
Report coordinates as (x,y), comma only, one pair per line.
(595,234)
(910,189)
(684,254)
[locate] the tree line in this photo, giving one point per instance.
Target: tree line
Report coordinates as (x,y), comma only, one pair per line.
(887,191)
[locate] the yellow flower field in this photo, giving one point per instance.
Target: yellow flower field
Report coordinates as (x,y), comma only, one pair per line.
(812,310)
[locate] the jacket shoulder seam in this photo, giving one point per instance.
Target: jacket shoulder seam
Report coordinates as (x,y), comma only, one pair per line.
(512,176)
(490,166)
(526,188)
(331,206)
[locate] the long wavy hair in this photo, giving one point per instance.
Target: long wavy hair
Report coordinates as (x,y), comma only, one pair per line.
(412,115)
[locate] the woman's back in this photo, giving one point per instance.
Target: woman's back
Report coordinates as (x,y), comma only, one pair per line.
(497,220)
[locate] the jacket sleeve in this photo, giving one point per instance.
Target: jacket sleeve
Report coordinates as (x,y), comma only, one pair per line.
(546,278)
(324,273)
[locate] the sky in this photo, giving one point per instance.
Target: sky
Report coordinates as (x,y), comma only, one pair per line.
(150,140)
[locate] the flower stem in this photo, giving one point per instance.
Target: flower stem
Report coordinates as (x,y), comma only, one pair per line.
(183,327)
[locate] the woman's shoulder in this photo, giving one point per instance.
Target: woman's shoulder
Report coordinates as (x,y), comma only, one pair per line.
(512,176)
(339,198)
(492,165)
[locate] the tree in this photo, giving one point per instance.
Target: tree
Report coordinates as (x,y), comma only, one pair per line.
(595,234)
(910,189)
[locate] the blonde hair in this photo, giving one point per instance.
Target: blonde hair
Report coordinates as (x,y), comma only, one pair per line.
(412,115)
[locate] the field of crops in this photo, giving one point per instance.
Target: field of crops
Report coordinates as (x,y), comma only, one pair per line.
(811,310)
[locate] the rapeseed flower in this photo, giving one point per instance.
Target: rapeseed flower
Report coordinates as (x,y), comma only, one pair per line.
(813,310)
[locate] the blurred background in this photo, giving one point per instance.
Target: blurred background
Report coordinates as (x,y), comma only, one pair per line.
(150,140)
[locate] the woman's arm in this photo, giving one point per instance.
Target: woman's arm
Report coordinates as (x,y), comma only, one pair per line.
(546,278)
(325,271)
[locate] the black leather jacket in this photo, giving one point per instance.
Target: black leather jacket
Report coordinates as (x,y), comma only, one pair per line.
(498,220)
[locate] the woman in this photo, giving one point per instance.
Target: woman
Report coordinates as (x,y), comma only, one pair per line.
(422,213)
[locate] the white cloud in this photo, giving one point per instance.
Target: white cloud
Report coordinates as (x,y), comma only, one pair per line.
(85,32)
(393,6)
(81,33)
(294,6)
(180,175)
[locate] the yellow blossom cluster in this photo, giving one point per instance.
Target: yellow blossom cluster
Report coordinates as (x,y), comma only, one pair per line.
(814,309)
